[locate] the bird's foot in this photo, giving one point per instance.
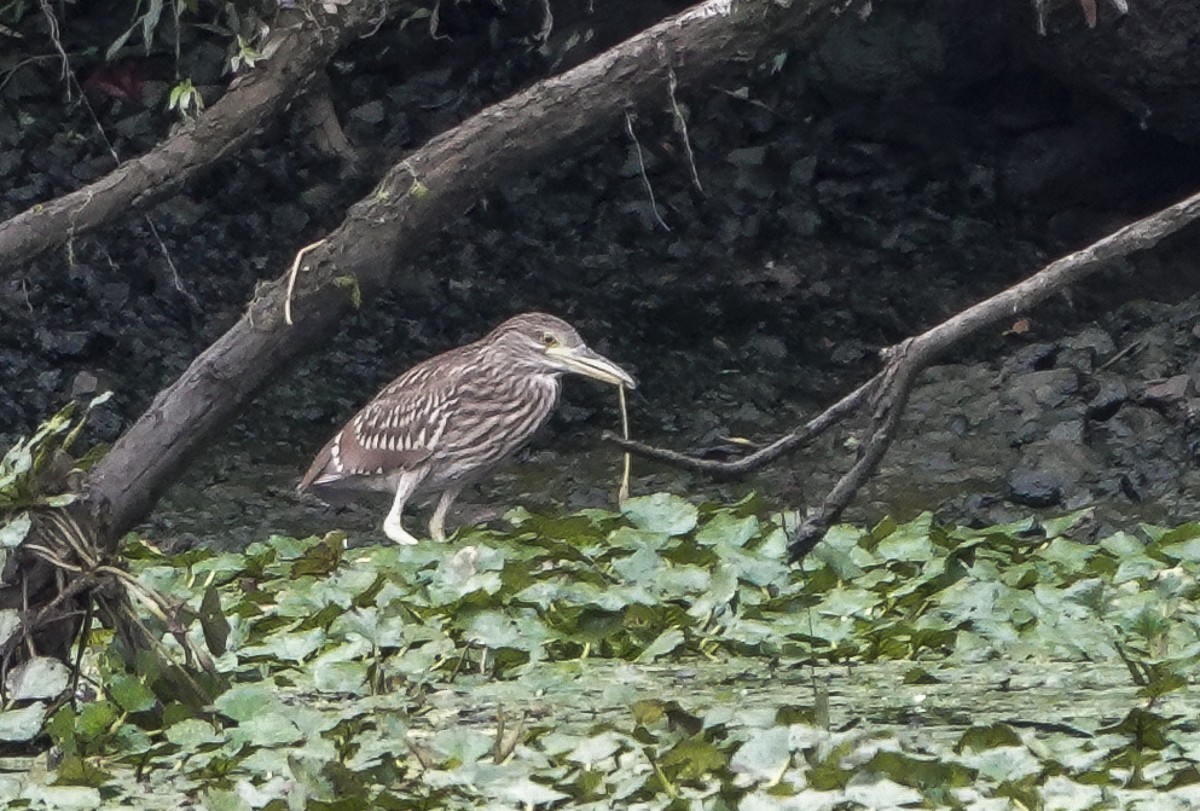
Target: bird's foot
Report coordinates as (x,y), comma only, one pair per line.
(395,532)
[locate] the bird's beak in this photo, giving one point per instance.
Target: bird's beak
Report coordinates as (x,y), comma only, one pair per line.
(584,361)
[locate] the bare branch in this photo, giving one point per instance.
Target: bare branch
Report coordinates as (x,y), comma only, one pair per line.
(926,347)
(303,46)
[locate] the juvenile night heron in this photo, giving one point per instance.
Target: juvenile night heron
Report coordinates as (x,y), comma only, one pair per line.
(447,422)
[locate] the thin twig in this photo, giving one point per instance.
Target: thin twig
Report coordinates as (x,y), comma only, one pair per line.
(175,279)
(547,23)
(1131,348)
(295,271)
(642,167)
(761,458)
(52,24)
(682,128)
(900,376)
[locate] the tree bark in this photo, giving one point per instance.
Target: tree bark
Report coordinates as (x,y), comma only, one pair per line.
(300,44)
(384,233)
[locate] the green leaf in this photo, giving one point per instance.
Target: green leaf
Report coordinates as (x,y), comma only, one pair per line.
(270,727)
(693,758)
(461,745)
(1183,551)
(666,642)
(192,733)
(340,677)
(524,791)
(661,512)
(213,622)
(764,756)
(979,738)
(95,719)
(244,701)
(322,558)
(728,529)
(131,694)
(68,797)
(910,542)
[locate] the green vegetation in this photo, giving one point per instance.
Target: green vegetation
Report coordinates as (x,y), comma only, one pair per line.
(664,658)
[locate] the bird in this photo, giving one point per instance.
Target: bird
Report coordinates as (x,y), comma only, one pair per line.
(450,420)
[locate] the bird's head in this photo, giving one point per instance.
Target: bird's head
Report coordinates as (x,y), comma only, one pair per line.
(541,343)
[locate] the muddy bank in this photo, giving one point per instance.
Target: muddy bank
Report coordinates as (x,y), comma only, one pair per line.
(1106,417)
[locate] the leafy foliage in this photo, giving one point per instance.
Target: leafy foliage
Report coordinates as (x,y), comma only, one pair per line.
(663,658)
(33,472)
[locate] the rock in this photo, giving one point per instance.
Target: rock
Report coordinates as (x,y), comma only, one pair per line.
(849,352)
(1168,391)
(1080,360)
(1092,339)
(289,219)
(370,113)
(880,57)
(64,343)
(771,348)
(88,170)
(1068,431)
(10,161)
(50,380)
(1031,358)
(1035,488)
(1042,390)
(155,94)
(747,157)
(801,218)
(182,209)
(137,126)
(803,171)
(85,384)
(114,295)
(35,190)
(28,80)
(1108,399)
(203,61)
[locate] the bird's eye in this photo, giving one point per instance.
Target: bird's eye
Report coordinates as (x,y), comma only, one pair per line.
(548,340)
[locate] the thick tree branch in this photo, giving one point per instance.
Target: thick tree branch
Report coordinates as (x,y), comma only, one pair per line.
(300,45)
(385,233)
(926,347)
(908,359)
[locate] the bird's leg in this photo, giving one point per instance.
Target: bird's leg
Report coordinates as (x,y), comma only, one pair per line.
(405,484)
(438,521)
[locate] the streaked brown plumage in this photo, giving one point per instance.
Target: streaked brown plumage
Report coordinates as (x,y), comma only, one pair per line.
(450,420)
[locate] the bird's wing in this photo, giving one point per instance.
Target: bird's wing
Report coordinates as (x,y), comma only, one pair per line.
(398,430)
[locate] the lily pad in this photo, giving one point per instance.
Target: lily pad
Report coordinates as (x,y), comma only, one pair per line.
(661,512)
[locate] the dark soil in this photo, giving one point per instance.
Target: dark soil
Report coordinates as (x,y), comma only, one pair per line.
(907,167)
